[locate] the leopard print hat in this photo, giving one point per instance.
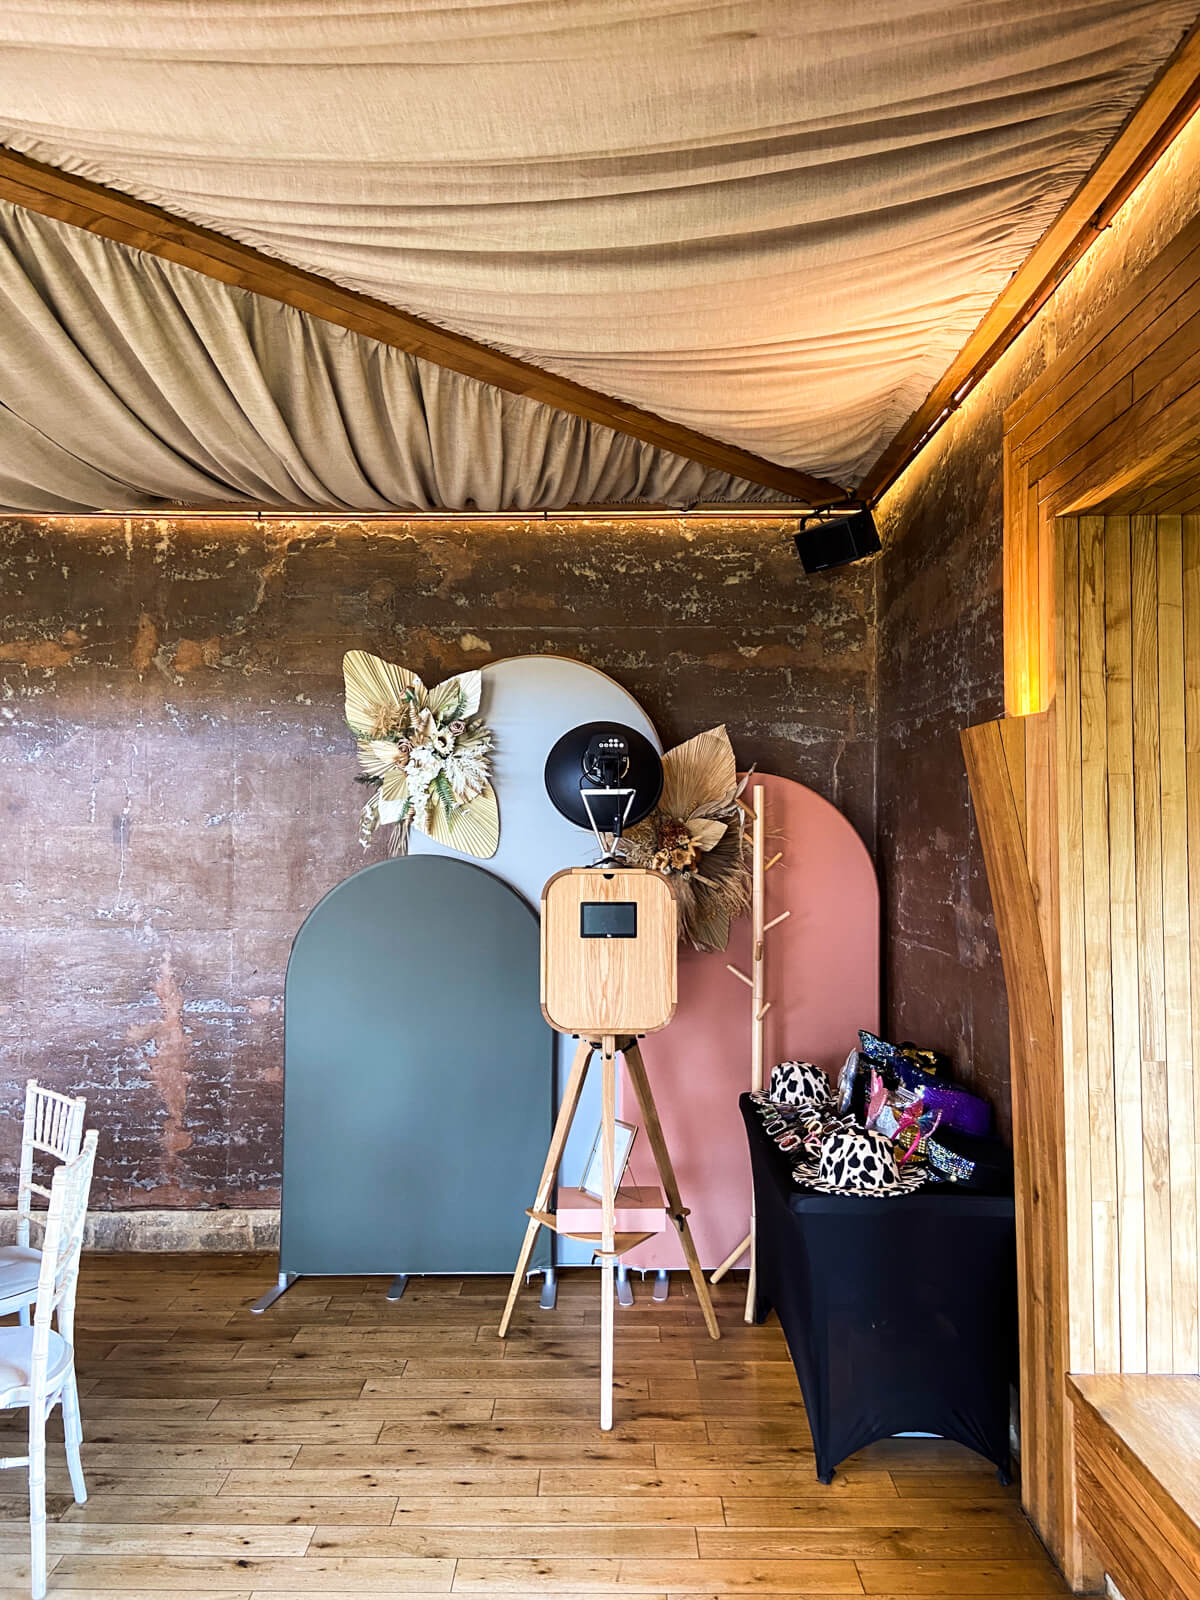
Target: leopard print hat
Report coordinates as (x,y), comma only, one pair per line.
(798,1083)
(860,1161)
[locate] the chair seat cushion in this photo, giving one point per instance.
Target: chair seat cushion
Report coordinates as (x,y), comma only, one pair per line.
(16,1362)
(19,1268)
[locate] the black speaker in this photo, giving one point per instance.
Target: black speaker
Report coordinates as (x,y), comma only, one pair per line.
(835,541)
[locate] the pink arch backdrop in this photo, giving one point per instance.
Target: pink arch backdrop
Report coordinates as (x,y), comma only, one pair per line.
(823,985)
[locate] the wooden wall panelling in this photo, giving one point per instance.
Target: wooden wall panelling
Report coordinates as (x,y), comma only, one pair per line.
(1102,622)
(1037,1138)
(1126,1011)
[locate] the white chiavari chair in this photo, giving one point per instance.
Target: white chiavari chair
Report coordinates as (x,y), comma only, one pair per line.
(53,1127)
(37,1363)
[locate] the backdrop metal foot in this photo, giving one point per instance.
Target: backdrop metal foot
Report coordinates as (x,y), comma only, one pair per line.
(624,1287)
(662,1284)
(397,1286)
(286,1280)
(548,1298)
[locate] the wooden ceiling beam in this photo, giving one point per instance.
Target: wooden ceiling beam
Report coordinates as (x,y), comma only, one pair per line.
(1166,107)
(100,210)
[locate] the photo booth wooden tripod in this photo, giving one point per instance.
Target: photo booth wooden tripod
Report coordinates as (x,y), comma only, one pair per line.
(609,946)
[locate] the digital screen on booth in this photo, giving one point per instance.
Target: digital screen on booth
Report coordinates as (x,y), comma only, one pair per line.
(608,919)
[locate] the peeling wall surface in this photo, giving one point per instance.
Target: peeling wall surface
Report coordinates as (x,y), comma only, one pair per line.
(941,659)
(176,779)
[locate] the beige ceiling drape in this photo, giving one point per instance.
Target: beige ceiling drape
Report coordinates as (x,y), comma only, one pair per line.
(773,220)
(127,382)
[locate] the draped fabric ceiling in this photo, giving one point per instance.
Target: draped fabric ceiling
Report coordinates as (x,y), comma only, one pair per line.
(773,220)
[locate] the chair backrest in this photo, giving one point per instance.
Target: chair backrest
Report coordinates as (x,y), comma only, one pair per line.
(63,1241)
(54,1126)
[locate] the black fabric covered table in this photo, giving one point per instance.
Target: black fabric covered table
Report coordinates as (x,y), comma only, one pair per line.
(899,1313)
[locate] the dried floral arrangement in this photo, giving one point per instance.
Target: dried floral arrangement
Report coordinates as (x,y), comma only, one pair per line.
(425,753)
(695,836)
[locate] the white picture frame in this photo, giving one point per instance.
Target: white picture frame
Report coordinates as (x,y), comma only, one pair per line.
(593,1173)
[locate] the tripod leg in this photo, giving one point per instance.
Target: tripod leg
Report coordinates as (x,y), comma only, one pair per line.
(608,1159)
(606,1344)
(562,1127)
(608,1139)
(729,1260)
(514,1288)
(662,1156)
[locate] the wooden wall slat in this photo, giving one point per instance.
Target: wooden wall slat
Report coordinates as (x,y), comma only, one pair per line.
(1102,1150)
(1073,1040)
(1181,1140)
(1127,1052)
(1012,731)
(1190,541)
(1037,1133)
(1041,785)
(1147,787)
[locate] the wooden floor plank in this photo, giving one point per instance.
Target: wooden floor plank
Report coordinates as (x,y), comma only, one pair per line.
(697,1577)
(233,1510)
(576,1510)
(301,1575)
(960,1578)
(139,1538)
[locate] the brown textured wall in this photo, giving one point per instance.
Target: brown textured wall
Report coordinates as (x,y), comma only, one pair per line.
(176,778)
(941,660)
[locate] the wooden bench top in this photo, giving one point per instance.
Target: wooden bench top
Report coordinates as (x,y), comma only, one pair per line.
(1157,1421)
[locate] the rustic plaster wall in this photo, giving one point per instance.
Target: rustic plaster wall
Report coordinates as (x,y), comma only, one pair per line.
(941,658)
(176,778)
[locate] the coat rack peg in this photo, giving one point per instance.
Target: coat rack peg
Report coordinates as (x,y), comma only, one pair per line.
(775,921)
(738,973)
(762,1010)
(774,861)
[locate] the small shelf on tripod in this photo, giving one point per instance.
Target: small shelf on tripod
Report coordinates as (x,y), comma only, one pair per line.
(637,1210)
(622,1242)
(582,1214)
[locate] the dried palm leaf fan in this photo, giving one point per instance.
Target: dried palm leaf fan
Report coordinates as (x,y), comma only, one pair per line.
(425,753)
(695,837)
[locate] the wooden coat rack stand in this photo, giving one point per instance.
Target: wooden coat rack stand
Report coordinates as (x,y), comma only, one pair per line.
(608,1244)
(756,979)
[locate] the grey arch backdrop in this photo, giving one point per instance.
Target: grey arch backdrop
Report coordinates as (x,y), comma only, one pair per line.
(417,1090)
(528,702)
